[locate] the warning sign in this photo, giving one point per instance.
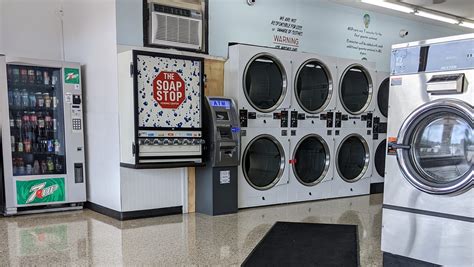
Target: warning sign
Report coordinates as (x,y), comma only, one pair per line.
(169,89)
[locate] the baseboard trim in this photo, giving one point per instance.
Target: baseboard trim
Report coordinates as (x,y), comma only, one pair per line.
(376,188)
(131,215)
(392,260)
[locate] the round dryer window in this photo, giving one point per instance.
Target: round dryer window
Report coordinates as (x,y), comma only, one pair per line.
(263,162)
(311,160)
(356,89)
(313,86)
(265,83)
(382,97)
(380,158)
(436,148)
(352,158)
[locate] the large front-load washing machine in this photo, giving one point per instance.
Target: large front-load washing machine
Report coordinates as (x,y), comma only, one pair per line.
(379,127)
(314,96)
(259,79)
(311,164)
(353,165)
(428,211)
(355,94)
(263,171)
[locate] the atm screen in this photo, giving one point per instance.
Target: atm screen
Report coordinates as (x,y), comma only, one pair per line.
(222,115)
(222,103)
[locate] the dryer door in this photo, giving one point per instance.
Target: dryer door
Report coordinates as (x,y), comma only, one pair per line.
(311,160)
(435,147)
(265,82)
(379,158)
(313,86)
(263,162)
(356,89)
(353,158)
(382,97)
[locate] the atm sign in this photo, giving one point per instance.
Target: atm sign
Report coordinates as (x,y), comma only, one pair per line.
(169,89)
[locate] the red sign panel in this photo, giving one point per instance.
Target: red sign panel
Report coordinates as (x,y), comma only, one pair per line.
(169,89)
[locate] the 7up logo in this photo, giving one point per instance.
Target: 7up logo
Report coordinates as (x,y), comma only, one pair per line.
(71,75)
(39,191)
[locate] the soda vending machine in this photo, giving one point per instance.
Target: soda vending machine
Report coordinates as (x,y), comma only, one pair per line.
(41,135)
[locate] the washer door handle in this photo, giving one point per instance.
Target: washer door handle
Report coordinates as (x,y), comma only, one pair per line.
(399,146)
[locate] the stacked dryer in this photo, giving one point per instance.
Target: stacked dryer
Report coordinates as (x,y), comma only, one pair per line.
(353,128)
(258,79)
(311,127)
(379,132)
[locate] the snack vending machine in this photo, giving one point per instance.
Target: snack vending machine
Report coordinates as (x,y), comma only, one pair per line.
(42,136)
(160,98)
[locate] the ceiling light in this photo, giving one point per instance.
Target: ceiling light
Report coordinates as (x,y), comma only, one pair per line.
(389,5)
(436,17)
(467,24)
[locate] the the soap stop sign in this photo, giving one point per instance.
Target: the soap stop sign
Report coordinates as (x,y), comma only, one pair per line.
(169,89)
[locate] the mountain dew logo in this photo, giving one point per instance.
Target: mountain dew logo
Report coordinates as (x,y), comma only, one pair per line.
(40,191)
(71,75)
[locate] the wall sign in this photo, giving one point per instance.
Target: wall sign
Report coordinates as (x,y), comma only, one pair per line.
(287,33)
(364,40)
(169,89)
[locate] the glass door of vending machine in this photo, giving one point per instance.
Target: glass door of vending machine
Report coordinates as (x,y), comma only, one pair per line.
(36,119)
(42,137)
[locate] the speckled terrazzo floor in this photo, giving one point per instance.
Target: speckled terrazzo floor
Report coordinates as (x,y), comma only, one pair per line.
(88,238)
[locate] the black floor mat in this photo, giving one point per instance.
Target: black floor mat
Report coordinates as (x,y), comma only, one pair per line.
(306,244)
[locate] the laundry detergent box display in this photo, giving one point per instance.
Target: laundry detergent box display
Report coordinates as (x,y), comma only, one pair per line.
(160,98)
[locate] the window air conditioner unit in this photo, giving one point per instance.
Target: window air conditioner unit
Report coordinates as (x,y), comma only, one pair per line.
(176,23)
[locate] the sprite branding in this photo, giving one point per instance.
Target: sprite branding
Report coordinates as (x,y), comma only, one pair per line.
(40,191)
(71,75)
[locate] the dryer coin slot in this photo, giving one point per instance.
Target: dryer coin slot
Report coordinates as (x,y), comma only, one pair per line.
(243,116)
(294,119)
(284,118)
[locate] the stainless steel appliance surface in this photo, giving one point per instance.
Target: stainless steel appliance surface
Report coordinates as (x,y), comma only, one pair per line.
(259,79)
(311,165)
(379,126)
(263,173)
(428,202)
(315,87)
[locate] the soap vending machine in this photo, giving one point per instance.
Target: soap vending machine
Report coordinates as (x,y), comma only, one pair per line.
(41,135)
(160,98)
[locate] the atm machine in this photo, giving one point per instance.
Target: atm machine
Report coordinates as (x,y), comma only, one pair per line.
(216,183)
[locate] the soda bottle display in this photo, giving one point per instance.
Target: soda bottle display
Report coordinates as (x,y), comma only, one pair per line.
(25,99)
(15,75)
(35,119)
(23,75)
(31,76)
(39,77)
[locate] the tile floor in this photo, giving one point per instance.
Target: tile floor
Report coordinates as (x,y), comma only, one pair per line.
(88,238)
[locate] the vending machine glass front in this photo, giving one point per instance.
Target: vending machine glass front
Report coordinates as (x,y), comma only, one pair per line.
(35,99)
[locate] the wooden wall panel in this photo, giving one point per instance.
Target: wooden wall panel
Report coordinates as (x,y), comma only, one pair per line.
(214,86)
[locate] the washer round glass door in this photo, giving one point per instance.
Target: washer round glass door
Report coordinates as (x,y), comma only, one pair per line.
(356,89)
(265,82)
(382,97)
(311,160)
(437,147)
(379,160)
(313,86)
(352,158)
(263,162)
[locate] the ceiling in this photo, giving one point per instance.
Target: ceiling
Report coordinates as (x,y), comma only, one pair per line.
(458,8)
